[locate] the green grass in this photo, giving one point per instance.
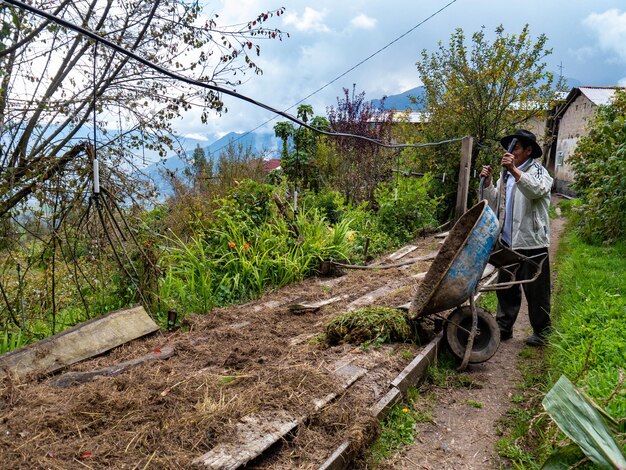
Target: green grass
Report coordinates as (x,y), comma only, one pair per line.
(488,301)
(398,428)
(444,374)
(475,403)
(589,345)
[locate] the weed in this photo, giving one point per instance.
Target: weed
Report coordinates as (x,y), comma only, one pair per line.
(398,428)
(407,354)
(445,375)
(517,399)
(488,301)
(475,403)
(521,459)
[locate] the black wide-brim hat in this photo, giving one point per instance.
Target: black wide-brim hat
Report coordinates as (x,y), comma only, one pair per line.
(527,138)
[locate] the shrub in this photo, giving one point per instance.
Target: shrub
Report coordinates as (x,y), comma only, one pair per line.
(600,179)
(405,207)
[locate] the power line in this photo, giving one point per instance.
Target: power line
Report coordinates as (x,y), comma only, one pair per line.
(191,81)
(389,44)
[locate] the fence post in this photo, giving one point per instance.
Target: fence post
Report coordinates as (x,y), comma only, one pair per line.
(464,177)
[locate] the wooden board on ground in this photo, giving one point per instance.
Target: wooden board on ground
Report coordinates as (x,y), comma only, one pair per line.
(370,297)
(75,378)
(314,306)
(256,433)
(402,252)
(80,342)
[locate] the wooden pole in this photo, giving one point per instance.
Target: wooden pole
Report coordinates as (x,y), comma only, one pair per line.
(464,177)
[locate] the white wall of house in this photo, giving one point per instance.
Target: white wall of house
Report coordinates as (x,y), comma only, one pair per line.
(572,126)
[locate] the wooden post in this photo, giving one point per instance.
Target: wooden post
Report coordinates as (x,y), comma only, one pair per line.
(464,177)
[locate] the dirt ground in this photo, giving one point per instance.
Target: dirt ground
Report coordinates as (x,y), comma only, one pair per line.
(464,436)
(245,360)
(248,360)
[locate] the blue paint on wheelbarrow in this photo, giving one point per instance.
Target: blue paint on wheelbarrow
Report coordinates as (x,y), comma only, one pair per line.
(456,270)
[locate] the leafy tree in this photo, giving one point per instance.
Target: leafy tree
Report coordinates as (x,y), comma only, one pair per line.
(362,165)
(300,165)
(598,163)
(48,81)
(483,89)
(200,171)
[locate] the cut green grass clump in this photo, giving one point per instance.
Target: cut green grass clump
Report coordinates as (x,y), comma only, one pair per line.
(369,326)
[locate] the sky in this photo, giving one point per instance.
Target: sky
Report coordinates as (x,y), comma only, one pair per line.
(328,37)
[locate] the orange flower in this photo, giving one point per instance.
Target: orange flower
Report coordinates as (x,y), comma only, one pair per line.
(232,245)
(246,247)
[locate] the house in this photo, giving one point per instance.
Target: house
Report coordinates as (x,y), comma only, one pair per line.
(271,165)
(567,125)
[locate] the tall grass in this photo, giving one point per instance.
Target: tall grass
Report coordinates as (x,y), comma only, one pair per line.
(239,258)
(589,345)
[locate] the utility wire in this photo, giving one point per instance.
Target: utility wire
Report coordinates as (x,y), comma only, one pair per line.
(191,81)
(346,72)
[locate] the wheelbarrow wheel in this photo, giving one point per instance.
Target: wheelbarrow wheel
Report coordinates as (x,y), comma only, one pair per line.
(487,337)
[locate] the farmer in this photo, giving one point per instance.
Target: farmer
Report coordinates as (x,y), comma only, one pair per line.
(526,230)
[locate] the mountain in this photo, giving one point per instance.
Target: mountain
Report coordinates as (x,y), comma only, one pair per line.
(402,101)
(261,144)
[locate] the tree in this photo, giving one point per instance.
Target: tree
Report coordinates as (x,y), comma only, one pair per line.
(300,165)
(49,77)
(598,163)
(484,90)
(362,165)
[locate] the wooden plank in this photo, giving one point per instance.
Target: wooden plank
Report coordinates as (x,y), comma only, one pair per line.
(80,342)
(370,297)
(75,378)
(382,406)
(314,306)
(464,177)
(442,234)
(339,459)
(256,433)
(413,372)
(402,252)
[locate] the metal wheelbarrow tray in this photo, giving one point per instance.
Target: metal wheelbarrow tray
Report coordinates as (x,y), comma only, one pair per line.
(471,332)
(453,279)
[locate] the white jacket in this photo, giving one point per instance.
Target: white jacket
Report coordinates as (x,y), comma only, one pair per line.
(531,201)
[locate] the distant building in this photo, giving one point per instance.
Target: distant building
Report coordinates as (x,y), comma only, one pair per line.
(271,165)
(568,125)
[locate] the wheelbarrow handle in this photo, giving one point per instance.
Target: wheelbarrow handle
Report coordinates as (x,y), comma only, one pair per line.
(481,186)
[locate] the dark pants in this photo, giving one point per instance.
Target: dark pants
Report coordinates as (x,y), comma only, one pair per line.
(537,296)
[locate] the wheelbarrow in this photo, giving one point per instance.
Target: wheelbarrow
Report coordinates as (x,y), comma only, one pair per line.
(471,333)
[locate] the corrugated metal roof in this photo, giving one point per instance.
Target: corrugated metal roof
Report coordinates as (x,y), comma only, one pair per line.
(598,95)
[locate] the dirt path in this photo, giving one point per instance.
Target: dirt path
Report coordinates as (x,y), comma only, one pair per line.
(465,428)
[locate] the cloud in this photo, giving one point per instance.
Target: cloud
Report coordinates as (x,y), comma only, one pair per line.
(196,136)
(610,30)
(363,21)
(311,20)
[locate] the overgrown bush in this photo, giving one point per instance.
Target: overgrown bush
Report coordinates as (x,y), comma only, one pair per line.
(598,163)
(405,207)
(238,255)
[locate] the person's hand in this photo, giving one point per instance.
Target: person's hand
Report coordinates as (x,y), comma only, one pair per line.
(487,171)
(508,162)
